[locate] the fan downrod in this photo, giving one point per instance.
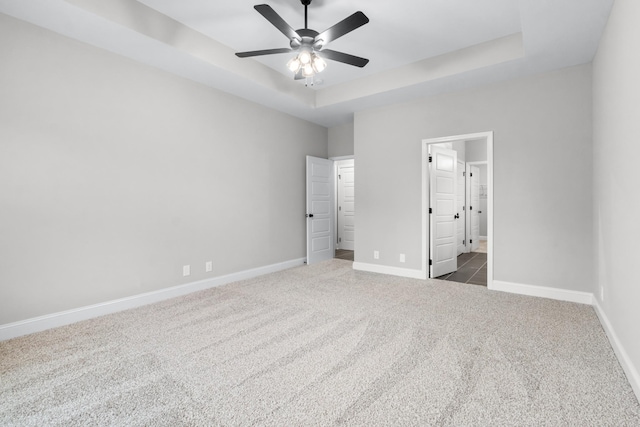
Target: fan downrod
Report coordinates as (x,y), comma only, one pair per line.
(305,3)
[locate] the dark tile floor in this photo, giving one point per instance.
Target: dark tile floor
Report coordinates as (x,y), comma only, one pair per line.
(344,254)
(472,268)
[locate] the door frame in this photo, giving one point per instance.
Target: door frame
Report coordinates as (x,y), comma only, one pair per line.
(488,137)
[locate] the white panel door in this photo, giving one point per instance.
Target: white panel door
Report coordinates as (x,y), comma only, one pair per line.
(474,206)
(320,211)
(443,198)
(461,222)
(346,204)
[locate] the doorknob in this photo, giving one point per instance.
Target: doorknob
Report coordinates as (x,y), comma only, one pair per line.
(457,216)
(309,215)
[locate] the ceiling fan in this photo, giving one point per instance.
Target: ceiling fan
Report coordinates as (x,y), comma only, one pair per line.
(309,44)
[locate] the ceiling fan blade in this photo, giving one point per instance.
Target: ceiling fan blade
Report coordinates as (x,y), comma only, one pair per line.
(263,52)
(271,16)
(344,58)
(343,27)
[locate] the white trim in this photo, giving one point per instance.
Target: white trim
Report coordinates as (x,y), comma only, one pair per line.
(488,136)
(625,361)
(385,269)
(425,207)
(342,158)
(54,320)
(544,292)
(490,210)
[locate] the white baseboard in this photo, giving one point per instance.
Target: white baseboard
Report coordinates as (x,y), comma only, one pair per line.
(625,361)
(54,320)
(393,271)
(543,292)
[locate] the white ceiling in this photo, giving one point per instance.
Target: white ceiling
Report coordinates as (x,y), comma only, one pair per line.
(416,47)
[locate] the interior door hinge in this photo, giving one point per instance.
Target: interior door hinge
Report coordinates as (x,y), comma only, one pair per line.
(470,241)
(470,208)
(430,262)
(471,174)
(430,159)
(339,239)
(464,173)
(339,208)
(339,176)
(430,210)
(464,243)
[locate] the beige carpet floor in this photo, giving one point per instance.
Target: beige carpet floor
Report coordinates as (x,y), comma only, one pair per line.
(323,345)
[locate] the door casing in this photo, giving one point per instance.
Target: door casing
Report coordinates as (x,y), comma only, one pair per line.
(488,137)
(334,198)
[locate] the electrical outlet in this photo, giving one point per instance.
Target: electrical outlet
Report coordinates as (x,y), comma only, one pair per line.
(186,270)
(376,255)
(208,266)
(402,259)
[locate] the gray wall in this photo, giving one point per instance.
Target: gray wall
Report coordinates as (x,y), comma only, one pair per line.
(542,221)
(476,151)
(113,175)
(616,97)
(341,140)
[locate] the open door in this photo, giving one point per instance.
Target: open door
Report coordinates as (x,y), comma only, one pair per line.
(443,214)
(320,210)
(474,207)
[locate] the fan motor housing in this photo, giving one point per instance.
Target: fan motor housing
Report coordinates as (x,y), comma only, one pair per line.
(308,36)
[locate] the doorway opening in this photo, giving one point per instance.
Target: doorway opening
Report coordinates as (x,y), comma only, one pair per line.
(457,208)
(330,208)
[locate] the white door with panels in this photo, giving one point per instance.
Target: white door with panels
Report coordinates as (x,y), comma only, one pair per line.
(320,211)
(461,222)
(474,207)
(346,204)
(443,211)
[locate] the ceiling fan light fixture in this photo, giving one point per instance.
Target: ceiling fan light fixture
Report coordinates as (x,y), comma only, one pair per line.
(318,63)
(294,64)
(307,70)
(307,42)
(304,57)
